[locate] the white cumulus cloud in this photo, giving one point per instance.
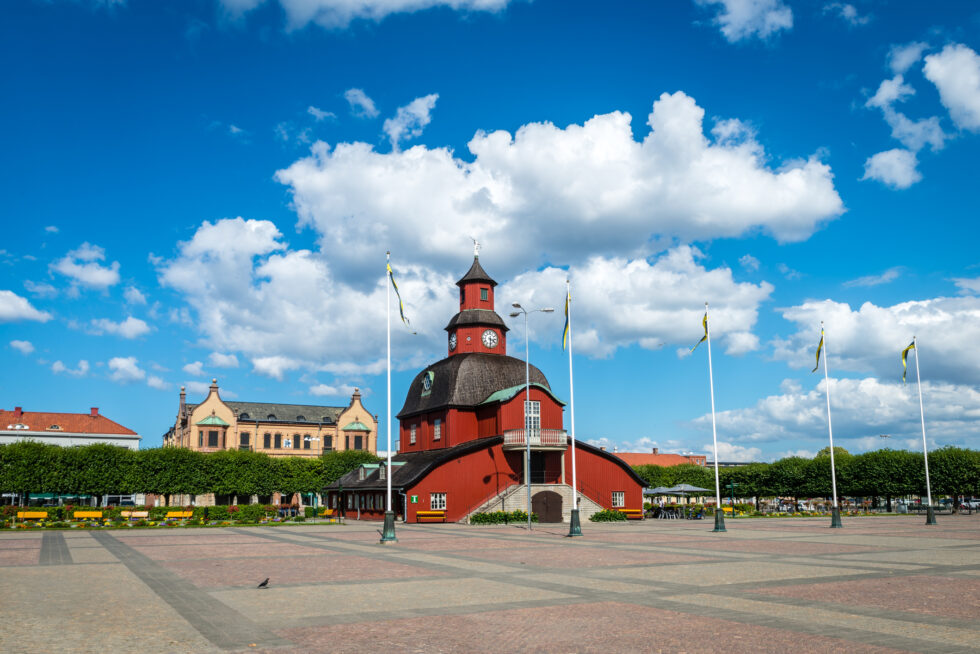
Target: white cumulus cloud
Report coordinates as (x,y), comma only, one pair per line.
(617,302)
(129,328)
(409,121)
(82,268)
(219,360)
(896,168)
(132,295)
(553,194)
(956,73)
(125,370)
(360,104)
(744,19)
(902,57)
(14,307)
(325,390)
(158,383)
(862,411)
(24,347)
(80,371)
(871,338)
(195,369)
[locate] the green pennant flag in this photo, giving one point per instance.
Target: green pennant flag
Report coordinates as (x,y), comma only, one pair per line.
(819,347)
(705,337)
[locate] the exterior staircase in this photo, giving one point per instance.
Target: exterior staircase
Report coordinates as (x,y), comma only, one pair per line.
(514,497)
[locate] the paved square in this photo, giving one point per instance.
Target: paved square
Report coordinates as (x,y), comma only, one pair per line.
(884,584)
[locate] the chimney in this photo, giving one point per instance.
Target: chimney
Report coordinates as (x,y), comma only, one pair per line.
(95,412)
(603,449)
(18,412)
(656,450)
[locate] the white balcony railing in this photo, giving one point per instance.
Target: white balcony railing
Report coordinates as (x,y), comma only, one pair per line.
(538,438)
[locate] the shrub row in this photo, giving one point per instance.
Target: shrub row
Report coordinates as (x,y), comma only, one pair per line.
(501,517)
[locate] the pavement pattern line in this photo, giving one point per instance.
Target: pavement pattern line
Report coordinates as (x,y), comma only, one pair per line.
(54,549)
(670,596)
(218,623)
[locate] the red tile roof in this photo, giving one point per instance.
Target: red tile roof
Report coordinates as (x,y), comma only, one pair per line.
(650,459)
(78,423)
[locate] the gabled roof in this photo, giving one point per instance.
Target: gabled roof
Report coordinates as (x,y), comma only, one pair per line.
(466,380)
(77,423)
(507,393)
(476,273)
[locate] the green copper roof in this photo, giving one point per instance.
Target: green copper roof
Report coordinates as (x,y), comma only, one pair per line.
(214,421)
(507,393)
(356,426)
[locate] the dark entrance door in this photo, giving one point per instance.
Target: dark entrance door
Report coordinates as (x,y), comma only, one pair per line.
(547,504)
(537,467)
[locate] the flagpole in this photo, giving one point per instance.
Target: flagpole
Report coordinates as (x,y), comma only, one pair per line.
(930,514)
(835,515)
(575,527)
(388,534)
(719,513)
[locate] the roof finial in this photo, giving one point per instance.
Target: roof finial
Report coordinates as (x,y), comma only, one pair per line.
(476,248)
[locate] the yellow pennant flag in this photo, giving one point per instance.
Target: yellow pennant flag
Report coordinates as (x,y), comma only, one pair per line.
(401,305)
(705,337)
(564,333)
(819,347)
(905,355)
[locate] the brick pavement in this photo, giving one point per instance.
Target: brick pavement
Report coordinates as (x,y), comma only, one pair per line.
(888,584)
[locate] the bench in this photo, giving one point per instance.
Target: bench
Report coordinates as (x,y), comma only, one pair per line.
(632,514)
(135,515)
(179,515)
(87,515)
(430,516)
(32,515)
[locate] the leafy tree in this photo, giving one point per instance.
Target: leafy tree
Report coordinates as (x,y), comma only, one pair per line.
(790,476)
(30,467)
(954,471)
(337,464)
(171,471)
(98,469)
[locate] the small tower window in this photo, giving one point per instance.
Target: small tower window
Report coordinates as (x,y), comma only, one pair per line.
(484,294)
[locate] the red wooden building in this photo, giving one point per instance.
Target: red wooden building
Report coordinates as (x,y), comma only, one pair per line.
(462,435)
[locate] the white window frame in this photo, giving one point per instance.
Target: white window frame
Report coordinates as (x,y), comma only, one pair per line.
(437,501)
(437,429)
(618,499)
(411,435)
(382,472)
(532,415)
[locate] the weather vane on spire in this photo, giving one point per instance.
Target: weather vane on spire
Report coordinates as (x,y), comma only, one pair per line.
(476,247)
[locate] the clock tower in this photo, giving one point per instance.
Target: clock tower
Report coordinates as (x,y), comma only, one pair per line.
(477,327)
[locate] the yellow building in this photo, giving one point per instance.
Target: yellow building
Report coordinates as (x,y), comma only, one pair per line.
(276,429)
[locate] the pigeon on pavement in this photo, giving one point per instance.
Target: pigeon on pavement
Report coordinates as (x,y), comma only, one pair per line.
(264,584)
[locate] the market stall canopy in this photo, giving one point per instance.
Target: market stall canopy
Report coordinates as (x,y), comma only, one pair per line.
(687,488)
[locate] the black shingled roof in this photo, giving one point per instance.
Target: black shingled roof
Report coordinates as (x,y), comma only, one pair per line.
(476,273)
(260,411)
(418,464)
(465,380)
(477,317)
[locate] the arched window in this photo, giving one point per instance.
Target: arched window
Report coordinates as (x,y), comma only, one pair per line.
(300,418)
(271,416)
(243,416)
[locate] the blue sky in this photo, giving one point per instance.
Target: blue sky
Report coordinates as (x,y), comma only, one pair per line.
(207,188)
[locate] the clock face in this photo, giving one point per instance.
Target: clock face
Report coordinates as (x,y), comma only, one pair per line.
(490,338)
(452,341)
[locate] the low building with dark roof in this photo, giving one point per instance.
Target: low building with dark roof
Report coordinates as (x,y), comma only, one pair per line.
(463,435)
(274,428)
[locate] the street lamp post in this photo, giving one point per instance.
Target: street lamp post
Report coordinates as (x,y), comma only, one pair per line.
(311,440)
(527,400)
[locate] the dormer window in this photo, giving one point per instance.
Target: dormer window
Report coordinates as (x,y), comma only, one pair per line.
(382,470)
(18,426)
(243,416)
(360,473)
(301,418)
(271,416)
(55,428)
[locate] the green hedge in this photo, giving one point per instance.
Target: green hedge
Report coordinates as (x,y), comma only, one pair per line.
(501,517)
(608,515)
